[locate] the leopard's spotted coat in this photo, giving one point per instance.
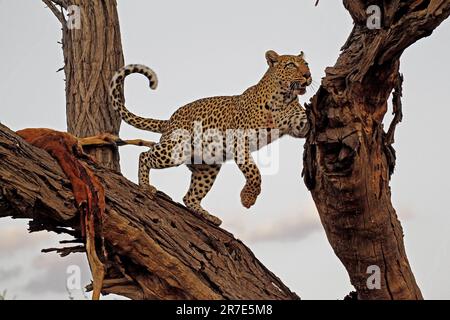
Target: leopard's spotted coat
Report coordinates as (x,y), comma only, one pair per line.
(270,104)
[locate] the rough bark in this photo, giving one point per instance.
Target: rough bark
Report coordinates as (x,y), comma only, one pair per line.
(92,53)
(349,158)
(156,248)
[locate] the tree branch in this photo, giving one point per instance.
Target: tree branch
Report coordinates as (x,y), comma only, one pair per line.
(156,248)
(58,13)
(61,3)
(403,25)
(417,23)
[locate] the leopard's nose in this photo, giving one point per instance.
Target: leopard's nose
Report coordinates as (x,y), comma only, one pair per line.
(308,78)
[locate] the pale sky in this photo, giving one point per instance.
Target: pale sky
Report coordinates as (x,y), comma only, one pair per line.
(204,48)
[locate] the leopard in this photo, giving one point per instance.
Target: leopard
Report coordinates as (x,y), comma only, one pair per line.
(271,107)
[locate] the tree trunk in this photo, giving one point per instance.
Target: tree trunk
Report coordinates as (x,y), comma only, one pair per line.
(92,53)
(156,248)
(349,158)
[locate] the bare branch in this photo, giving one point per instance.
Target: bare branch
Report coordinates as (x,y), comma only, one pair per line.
(65,251)
(412,27)
(61,3)
(58,13)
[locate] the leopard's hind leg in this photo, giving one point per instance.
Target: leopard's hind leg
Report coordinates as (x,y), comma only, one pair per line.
(202,179)
(161,155)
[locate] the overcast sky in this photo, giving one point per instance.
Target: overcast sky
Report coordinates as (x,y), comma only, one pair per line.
(204,48)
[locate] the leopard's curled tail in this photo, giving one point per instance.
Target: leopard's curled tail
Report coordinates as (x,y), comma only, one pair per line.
(115,95)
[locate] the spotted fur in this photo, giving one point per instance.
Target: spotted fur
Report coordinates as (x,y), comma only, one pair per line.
(270,104)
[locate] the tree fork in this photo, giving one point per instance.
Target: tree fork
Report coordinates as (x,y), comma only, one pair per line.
(348,157)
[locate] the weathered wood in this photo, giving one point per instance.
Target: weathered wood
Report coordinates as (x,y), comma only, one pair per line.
(157,249)
(348,159)
(92,53)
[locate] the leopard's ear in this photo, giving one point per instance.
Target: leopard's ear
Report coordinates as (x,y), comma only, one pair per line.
(272,57)
(301,55)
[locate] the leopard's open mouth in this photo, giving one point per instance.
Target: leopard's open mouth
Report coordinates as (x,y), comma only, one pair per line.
(301,90)
(298,88)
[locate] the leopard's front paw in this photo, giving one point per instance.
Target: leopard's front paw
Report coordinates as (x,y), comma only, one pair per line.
(249,194)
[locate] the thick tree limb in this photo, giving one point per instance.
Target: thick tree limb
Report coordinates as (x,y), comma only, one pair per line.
(156,248)
(349,158)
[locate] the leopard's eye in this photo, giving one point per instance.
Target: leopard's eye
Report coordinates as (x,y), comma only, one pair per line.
(290,65)
(306,63)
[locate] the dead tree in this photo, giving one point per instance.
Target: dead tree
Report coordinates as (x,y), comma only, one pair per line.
(349,157)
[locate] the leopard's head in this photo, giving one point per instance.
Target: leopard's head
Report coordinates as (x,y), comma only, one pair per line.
(291,71)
